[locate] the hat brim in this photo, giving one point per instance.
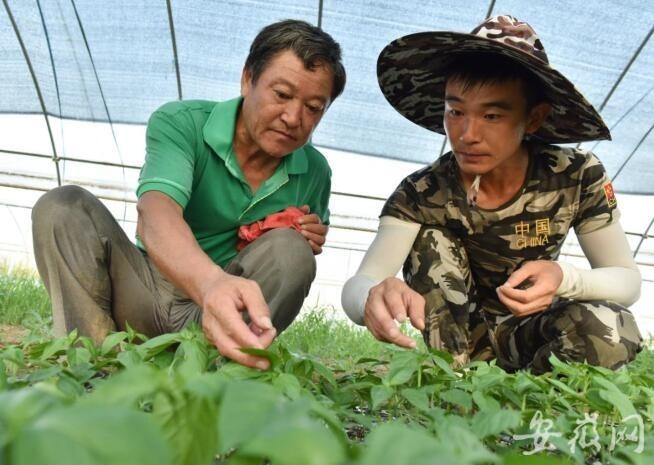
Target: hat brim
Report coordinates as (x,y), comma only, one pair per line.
(411,69)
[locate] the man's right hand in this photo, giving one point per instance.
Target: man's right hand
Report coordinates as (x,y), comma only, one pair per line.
(223,299)
(393,301)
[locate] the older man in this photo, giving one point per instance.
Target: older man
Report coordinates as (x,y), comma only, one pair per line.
(210,168)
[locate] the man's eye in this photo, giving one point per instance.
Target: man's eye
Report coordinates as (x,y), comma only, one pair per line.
(453,112)
(314,108)
(492,116)
(282,95)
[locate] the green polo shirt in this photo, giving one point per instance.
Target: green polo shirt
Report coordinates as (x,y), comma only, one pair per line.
(190,158)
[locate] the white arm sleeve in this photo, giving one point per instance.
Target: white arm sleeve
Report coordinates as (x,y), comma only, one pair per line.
(383,259)
(615,275)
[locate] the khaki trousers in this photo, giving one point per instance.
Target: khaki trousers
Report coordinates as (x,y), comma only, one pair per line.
(99,281)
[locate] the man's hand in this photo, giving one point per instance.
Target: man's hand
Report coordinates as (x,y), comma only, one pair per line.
(313,230)
(390,301)
(531,288)
(223,300)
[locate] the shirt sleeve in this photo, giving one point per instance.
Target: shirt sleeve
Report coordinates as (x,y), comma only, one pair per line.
(169,157)
(383,259)
(614,275)
(404,203)
(598,206)
(321,200)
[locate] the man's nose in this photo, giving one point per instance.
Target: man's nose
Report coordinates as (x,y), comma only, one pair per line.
(292,115)
(471,131)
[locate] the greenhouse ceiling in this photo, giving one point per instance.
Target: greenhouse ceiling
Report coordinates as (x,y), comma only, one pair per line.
(117,61)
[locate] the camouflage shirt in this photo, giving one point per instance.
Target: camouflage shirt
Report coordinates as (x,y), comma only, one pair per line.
(564,188)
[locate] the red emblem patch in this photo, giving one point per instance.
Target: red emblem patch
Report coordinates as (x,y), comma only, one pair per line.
(610,195)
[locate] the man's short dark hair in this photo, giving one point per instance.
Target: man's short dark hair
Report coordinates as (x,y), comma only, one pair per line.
(313,46)
(477,69)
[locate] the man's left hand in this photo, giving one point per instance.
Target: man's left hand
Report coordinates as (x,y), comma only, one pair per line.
(541,279)
(313,230)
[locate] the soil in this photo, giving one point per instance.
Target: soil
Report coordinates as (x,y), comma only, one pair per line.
(10,334)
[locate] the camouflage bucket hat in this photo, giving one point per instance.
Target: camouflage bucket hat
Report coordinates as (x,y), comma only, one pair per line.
(411,75)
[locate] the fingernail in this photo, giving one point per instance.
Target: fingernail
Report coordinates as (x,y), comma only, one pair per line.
(262,365)
(393,333)
(267,323)
(413,344)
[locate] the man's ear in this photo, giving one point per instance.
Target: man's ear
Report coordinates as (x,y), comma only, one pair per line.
(537,117)
(246,81)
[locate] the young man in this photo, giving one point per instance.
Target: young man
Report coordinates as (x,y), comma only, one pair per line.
(480,229)
(210,168)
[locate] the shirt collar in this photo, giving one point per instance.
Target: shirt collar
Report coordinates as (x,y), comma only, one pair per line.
(218,133)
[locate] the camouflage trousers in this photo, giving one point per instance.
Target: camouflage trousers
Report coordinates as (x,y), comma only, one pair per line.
(472,324)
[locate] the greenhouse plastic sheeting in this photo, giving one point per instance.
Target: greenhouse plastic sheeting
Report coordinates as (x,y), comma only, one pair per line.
(114,61)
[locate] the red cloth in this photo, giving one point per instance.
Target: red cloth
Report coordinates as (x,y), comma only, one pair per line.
(284,219)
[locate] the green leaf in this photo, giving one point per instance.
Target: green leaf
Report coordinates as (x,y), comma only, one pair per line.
(323,371)
(562,387)
(524,384)
(330,417)
(128,387)
(57,347)
(612,394)
(3,375)
(130,358)
(489,380)
(417,397)
(562,367)
(78,356)
(396,444)
(233,370)
(402,367)
(44,374)
(14,355)
(371,360)
(112,341)
(274,359)
(289,385)
(457,397)
(153,346)
(443,355)
(492,423)
(89,435)
(88,344)
(292,437)
(380,395)
(191,358)
(244,410)
(18,408)
(188,421)
(461,443)
(443,363)
(485,402)
(237,460)
(358,387)
(69,386)
(515,458)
